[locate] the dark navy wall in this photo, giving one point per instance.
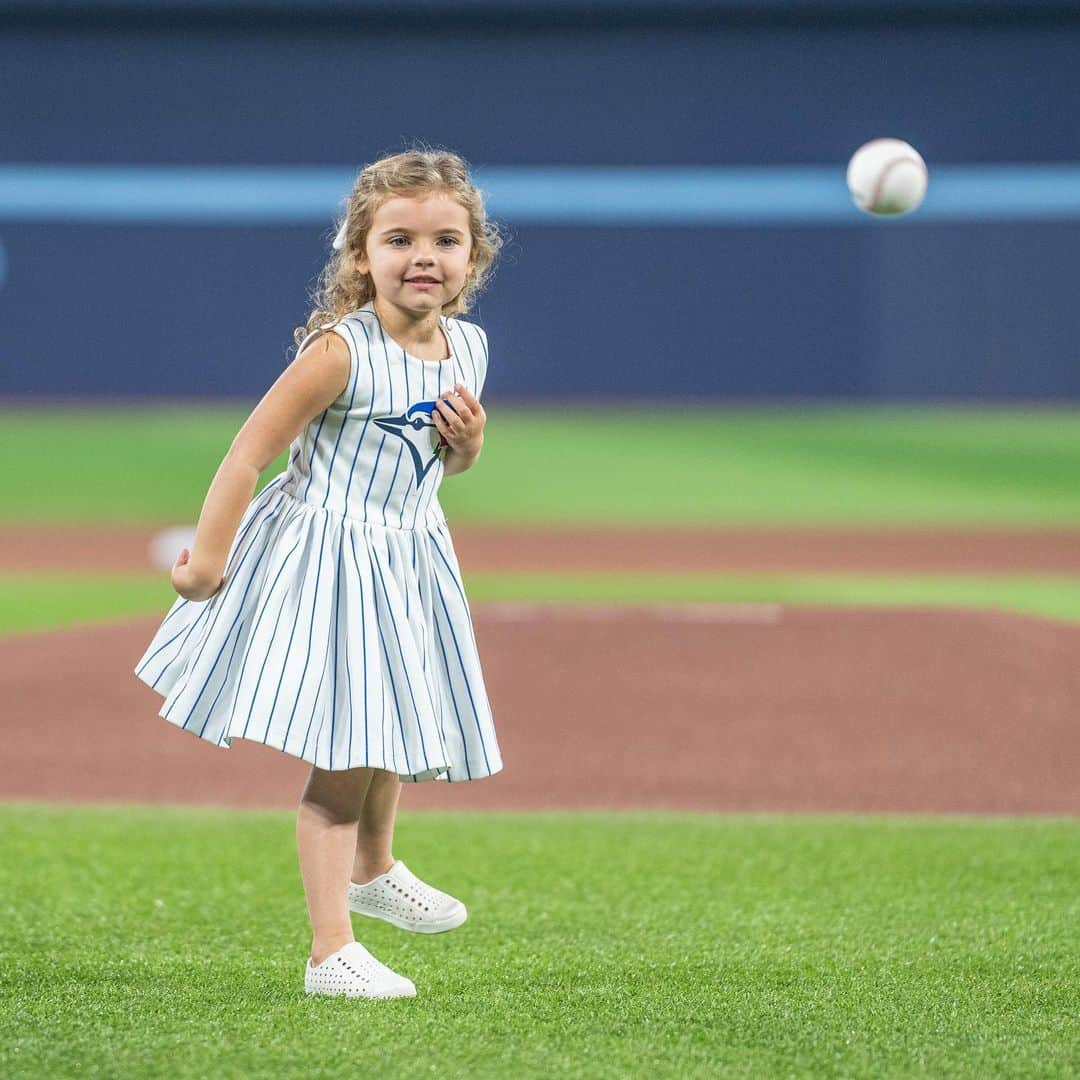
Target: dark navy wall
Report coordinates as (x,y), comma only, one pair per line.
(911,310)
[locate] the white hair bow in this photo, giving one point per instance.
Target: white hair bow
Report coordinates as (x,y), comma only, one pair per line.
(339,240)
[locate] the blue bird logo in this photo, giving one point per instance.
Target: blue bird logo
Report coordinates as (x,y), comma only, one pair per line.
(419,433)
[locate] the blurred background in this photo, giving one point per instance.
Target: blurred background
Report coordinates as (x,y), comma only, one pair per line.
(774,540)
(671,174)
(712,381)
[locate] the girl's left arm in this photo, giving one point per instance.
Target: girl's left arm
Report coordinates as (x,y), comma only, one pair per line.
(460,419)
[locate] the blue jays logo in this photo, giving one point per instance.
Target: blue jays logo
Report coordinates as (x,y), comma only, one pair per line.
(418,431)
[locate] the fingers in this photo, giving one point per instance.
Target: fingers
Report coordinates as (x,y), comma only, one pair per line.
(467,396)
(463,405)
(470,402)
(450,431)
(458,417)
(452,406)
(442,427)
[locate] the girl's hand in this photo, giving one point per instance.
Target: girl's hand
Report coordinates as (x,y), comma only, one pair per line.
(189,584)
(460,420)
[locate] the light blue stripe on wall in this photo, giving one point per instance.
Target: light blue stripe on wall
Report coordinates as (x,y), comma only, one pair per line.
(737,195)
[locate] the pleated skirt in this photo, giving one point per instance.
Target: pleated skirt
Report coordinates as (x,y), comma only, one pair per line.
(339,641)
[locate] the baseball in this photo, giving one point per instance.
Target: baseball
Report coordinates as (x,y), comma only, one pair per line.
(887,177)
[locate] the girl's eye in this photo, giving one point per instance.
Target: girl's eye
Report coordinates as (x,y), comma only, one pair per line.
(394,239)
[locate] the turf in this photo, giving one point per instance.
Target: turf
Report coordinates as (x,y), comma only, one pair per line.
(171,942)
(40,601)
(807,465)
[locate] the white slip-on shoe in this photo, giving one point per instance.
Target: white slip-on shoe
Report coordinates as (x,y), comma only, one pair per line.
(353,972)
(401,898)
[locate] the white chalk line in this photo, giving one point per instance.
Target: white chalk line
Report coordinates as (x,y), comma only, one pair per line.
(166,545)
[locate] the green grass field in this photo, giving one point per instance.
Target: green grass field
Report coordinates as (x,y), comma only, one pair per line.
(41,601)
(814,465)
(170,942)
(865,467)
(145,942)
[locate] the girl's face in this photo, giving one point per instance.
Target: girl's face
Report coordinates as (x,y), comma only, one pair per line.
(411,238)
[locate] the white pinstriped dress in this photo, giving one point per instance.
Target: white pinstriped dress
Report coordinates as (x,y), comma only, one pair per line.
(342,634)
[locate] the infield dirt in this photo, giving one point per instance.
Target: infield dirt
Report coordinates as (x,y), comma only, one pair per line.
(706,707)
(110,548)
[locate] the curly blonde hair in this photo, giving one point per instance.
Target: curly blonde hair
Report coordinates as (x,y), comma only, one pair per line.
(341,288)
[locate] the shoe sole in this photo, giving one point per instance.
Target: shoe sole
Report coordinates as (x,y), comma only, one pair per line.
(449,923)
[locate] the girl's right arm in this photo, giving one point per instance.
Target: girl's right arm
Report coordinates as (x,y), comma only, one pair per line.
(313,381)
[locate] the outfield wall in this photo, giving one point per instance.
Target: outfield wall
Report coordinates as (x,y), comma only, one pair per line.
(103,296)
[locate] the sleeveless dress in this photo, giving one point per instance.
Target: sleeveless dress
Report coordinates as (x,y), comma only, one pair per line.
(341,634)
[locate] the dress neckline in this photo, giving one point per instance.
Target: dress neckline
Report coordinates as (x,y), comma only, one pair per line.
(370,307)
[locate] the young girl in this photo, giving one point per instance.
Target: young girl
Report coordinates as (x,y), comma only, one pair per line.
(326,615)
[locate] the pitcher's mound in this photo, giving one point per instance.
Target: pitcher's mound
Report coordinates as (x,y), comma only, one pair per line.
(704,707)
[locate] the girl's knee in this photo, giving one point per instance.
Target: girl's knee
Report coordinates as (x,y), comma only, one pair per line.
(339,793)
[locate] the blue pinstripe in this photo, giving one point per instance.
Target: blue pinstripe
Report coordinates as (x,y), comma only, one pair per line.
(386,657)
(423,654)
(382,440)
(363,650)
(420,700)
(350,699)
(311,460)
(468,349)
(419,599)
(333,678)
(446,563)
(213,610)
(393,479)
(384,720)
(285,662)
(341,428)
(456,580)
(484,369)
(262,666)
(225,677)
(453,696)
(254,631)
(209,630)
(400,448)
(311,629)
(393,684)
(315,709)
(371,404)
(464,673)
(436,473)
(184,603)
(337,611)
(428,476)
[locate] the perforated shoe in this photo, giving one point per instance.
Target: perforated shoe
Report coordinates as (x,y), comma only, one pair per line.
(401,898)
(353,972)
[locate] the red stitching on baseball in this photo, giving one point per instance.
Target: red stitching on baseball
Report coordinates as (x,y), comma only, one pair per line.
(883,175)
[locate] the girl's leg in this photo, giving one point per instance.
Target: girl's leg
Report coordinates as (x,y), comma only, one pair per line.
(375,829)
(326,830)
